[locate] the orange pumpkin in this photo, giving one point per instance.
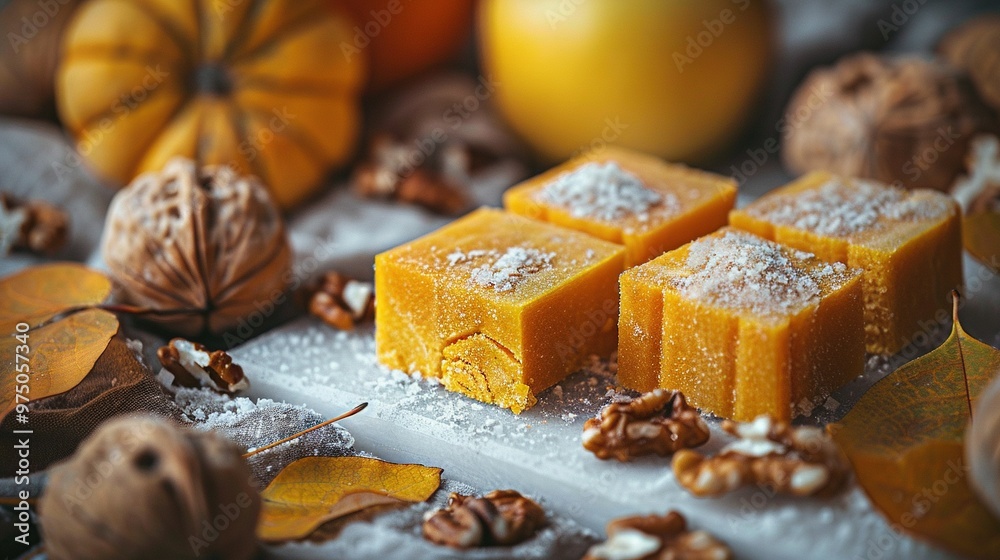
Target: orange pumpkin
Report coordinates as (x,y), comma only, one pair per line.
(403,38)
(256,84)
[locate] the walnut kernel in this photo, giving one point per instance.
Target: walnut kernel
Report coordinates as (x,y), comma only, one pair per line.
(342,302)
(390,173)
(659,422)
(193,365)
(801,461)
(34,226)
(657,537)
(500,518)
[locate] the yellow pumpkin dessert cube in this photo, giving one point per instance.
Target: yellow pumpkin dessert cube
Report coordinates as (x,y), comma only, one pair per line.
(741,325)
(626,197)
(496,305)
(909,244)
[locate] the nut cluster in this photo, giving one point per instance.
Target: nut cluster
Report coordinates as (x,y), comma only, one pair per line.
(33,226)
(659,422)
(500,518)
(193,365)
(342,302)
(390,173)
(801,461)
(657,537)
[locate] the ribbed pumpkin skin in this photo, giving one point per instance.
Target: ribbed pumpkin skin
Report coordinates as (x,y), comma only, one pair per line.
(257,84)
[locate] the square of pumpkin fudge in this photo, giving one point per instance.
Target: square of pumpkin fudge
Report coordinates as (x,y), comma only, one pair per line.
(909,243)
(496,305)
(741,325)
(626,197)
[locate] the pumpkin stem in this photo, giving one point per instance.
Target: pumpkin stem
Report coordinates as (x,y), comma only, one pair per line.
(213,78)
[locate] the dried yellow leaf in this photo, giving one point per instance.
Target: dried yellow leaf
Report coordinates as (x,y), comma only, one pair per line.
(47,359)
(314,490)
(36,294)
(60,355)
(904,439)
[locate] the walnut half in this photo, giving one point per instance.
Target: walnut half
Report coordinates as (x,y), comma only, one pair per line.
(34,226)
(193,365)
(657,537)
(500,518)
(659,422)
(342,302)
(801,461)
(389,173)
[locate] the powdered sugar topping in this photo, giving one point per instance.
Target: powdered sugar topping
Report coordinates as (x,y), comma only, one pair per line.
(842,207)
(741,271)
(605,191)
(503,271)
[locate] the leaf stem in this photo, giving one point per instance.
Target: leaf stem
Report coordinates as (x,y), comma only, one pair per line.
(133,310)
(955,297)
(347,414)
(117,308)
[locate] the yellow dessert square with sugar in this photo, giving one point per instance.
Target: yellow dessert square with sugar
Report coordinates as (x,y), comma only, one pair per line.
(741,325)
(909,244)
(498,306)
(626,197)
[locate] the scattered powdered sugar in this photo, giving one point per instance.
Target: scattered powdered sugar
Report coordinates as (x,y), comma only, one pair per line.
(256,424)
(539,453)
(844,207)
(459,257)
(135,345)
(742,271)
(503,271)
(605,191)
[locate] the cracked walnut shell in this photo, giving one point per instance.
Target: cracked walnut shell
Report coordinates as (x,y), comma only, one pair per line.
(659,422)
(903,121)
(207,240)
(799,460)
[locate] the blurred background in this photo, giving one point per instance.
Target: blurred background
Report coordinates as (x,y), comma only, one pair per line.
(373,121)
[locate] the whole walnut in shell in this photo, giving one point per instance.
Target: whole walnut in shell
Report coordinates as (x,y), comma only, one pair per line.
(906,121)
(975,48)
(206,240)
(143,488)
